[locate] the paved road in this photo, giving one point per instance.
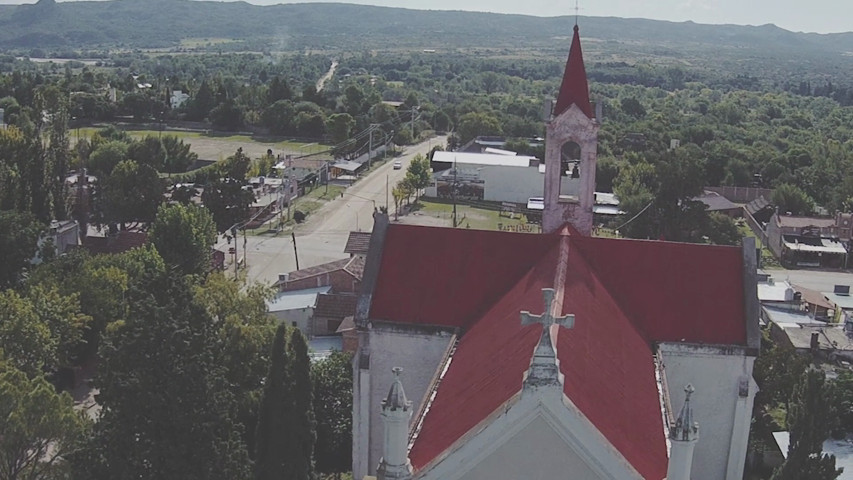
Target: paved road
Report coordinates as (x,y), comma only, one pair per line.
(323,236)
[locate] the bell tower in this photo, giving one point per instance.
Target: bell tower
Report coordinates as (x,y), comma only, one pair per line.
(571,145)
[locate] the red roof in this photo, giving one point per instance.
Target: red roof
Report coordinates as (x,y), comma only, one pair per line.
(625,295)
(574,89)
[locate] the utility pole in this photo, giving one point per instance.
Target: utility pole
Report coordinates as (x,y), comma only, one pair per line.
(295,253)
(386,193)
(414,108)
(370,130)
(245,256)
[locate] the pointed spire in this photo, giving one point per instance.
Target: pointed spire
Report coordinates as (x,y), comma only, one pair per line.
(685,428)
(397,412)
(396,399)
(683,436)
(574,89)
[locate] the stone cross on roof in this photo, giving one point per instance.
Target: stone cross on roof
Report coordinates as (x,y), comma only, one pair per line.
(544,367)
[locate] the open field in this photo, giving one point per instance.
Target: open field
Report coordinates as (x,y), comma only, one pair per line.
(433,213)
(219,146)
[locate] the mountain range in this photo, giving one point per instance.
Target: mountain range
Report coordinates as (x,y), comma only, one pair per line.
(165,23)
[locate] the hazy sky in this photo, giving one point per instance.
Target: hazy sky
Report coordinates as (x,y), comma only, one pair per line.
(822,16)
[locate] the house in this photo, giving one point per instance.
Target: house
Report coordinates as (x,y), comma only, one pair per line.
(330,311)
(97,242)
(840,300)
(714,202)
(344,276)
(178,98)
(495,355)
(827,342)
(760,209)
(809,241)
(296,307)
(815,303)
(777,293)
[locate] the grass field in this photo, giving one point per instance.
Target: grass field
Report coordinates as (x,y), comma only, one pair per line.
(476,218)
(218,146)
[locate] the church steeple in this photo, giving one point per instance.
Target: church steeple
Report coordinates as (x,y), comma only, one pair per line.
(574,89)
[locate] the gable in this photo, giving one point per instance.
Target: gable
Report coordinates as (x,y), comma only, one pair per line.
(536,451)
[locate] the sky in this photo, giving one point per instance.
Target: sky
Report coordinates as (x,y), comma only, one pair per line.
(822,16)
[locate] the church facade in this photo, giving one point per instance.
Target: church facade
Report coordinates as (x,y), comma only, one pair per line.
(493,355)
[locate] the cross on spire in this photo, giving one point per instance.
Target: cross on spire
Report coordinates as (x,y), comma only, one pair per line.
(544,365)
(577,9)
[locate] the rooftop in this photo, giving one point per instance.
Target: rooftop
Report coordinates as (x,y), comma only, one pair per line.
(625,295)
(335,305)
(354,266)
(357,243)
(801,222)
(485,159)
(295,299)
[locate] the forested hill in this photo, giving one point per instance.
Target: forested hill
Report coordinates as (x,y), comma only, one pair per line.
(163,23)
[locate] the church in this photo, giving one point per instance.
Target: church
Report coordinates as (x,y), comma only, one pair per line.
(494,355)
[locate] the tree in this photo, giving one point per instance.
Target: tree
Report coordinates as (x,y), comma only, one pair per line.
(418,174)
(132,193)
(475,124)
(19,235)
(279,90)
(272,450)
(722,230)
(246,333)
(228,115)
(178,155)
(810,418)
(148,151)
(228,202)
(299,420)
(278,117)
(184,235)
(790,198)
(633,107)
(332,382)
(168,411)
(106,156)
(40,427)
(339,126)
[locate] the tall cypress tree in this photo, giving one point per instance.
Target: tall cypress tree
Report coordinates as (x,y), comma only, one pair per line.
(811,418)
(272,451)
(301,425)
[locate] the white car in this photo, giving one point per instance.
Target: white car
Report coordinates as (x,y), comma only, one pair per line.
(398,165)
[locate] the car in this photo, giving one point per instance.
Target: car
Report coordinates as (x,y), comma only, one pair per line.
(398,165)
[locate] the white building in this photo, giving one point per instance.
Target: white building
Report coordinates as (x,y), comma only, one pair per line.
(178,98)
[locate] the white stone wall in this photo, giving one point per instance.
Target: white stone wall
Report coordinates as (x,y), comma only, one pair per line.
(716,374)
(536,451)
(419,354)
(300,316)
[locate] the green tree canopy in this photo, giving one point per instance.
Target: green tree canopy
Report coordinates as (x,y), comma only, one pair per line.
(19,235)
(790,198)
(332,382)
(40,427)
(184,235)
(132,193)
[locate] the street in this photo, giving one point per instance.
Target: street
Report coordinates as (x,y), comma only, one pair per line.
(323,235)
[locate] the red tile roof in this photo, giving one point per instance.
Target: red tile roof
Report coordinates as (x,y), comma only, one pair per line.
(624,294)
(125,240)
(574,89)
